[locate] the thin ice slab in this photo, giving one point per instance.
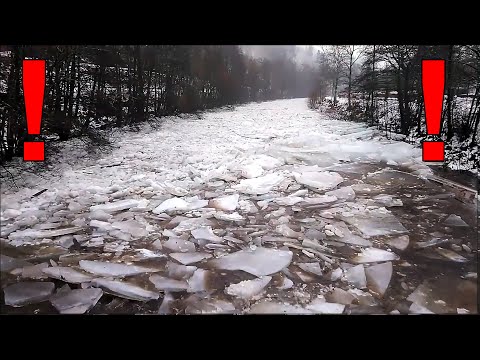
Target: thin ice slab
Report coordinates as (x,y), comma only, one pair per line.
(258,262)
(378,277)
(321,181)
(27,292)
(190,258)
(125,290)
(374,255)
(113,269)
(67,274)
(77,301)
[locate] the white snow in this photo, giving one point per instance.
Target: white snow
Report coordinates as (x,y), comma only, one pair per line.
(248,288)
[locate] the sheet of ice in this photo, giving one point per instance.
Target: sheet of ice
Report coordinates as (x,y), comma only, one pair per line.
(387,200)
(77,301)
(258,262)
(210,306)
(172,204)
(132,227)
(339,296)
(198,281)
(285,230)
(67,274)
(288,200)
(451,255)
(319,306)
(228,217)
(166,284)
(259,185)
(344,193)
(285,284)
(206,233)
(167,303)
(313,268)
(8,263)
(190,258)
(379,276)
(115,206)
(399,243)
(273,307)
(348,237)
(249,288)
(113,269)
(179,272)
(27,292)
(376,222)
(455,220)
(374,255)
(32,233)
(356,276)
(125,290)
(322,180)
(225,203)
(179,245)
(35,271)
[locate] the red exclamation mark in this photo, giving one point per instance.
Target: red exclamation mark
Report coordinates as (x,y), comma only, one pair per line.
(33,92)
(433,84)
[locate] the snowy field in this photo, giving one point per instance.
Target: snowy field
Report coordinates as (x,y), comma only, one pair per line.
(269,208)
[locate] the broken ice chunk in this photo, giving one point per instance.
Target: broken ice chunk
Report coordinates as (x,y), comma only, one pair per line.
(319,306)
(375,222)
(387,200)
(166,284)
(259,185)
(125,290)
(419,309)
(173,204)
(344,193)
(451,255)
(209,306)
(190,258)
(32,233)
(225,203)
(166,307)
(198,281)
(25,293)
(378,277)
(374,255)
(8,263)
(455,220)
(35,271)
(288,200)
(356,276)
(285,230)
(339,296)
(248,288)
(272,307)
(132,227)
(321,199)
(313,268)
(179,245)
(250,171)
(206,233)
(400,243)
(285,284)
(116,206)
(67,274)
(322,180)
(228,217)
(113,269)
(335,274)
(258,262)
(76,301)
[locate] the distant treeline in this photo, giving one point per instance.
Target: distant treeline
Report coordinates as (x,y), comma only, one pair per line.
(111,85)
(370,73)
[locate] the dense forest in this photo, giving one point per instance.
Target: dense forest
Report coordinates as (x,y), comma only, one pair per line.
(382,85)
(90,87)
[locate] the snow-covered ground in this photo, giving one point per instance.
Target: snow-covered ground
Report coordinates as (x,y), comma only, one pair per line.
(267,208)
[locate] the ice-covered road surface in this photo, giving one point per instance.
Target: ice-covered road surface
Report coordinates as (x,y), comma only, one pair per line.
(270,208)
